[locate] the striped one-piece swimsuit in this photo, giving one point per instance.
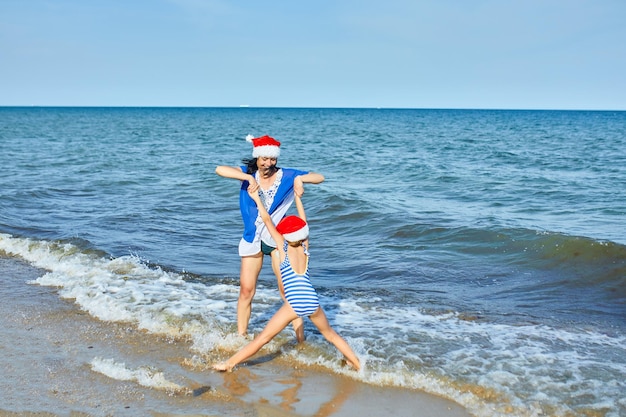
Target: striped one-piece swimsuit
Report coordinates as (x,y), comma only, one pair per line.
(299,291)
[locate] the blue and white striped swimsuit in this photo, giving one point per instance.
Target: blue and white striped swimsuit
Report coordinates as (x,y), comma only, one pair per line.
(299,291)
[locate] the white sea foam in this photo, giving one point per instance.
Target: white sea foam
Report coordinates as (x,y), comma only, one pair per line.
(145,375)
(527,366)
(515,370)
(125,289)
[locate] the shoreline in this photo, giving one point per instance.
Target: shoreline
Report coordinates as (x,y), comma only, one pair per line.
(51,349)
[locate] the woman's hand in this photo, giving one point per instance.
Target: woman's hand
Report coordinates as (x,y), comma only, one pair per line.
(298,186)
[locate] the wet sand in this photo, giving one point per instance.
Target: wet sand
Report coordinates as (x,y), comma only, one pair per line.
(48,345)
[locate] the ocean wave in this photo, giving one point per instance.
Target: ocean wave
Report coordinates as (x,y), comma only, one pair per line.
(145,375)
(491,368)
(592,262)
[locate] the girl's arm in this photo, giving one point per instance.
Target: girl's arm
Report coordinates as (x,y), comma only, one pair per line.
(301,214)
(300,208)
(265,216)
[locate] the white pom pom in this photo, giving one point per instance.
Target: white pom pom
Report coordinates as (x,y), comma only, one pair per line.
(249,138)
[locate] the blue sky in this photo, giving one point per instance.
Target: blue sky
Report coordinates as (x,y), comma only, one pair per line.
(513,54)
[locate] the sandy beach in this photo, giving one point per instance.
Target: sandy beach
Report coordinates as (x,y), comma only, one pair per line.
(51,351)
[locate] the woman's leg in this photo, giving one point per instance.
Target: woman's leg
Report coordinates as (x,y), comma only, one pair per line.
(321,322)
(248,276)
(298,327)
(277,323)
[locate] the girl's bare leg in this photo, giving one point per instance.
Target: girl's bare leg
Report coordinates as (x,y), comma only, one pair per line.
(321,322)
(277,323)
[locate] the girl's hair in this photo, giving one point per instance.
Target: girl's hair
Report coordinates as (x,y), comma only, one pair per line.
(252,167)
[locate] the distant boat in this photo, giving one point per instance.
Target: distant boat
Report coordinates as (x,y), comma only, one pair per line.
(244,105)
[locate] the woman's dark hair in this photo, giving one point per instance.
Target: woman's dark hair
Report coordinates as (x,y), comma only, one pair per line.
(251,165)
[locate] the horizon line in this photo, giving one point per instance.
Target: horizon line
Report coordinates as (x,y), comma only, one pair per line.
(247,107)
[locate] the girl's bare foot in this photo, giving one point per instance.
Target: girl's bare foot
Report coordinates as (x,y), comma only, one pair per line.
(223,367)
(351,364)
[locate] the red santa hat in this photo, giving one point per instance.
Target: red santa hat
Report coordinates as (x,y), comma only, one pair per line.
(264,146)
(293,229)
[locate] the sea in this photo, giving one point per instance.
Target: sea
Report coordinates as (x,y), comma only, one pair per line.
(479,255)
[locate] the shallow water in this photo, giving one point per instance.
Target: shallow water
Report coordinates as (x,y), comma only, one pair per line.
(59,361)
(479,255)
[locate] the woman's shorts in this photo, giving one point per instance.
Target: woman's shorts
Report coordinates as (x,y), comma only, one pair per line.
(266,249)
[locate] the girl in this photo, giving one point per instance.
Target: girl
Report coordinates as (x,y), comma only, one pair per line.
(291,236)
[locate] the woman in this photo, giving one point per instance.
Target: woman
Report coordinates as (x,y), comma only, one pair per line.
(277,187)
